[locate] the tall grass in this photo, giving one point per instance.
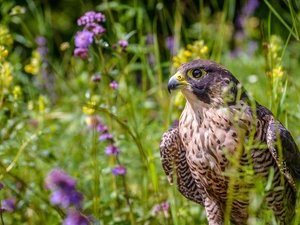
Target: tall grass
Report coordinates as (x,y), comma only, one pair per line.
(44,116)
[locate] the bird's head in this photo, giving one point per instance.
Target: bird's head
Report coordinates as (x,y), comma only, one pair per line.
(206,81)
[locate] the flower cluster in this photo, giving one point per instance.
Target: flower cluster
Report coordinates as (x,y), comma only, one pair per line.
(64,189)
(94,100)
(94,122)
(34,67)
(276,72)
(40,65)
(6,68)
(74,217)
(195,51)
(163,207)
(65,195)
(9,204)
(84,38)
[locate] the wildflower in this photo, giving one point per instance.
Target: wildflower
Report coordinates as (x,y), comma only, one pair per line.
(165,205)
(81,52)
(170,44)
(118,170)
(111,149)
(76,218)
(64,189)
(161,207)
(92,121)
(17,10)
(101,128)
(64,46)
(196,51)
(94,28)
(5,36)
(105,137)
(59,179)
(96,78)
(123,43)
(156,209)
(250,7)
(9,204)
(40,41)
(65,198)
(149,39)
(90,17)
(1,185)
(83,39)
(114,85)
(34,67)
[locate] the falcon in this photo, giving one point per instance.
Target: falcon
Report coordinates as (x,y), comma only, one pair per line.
(225,141)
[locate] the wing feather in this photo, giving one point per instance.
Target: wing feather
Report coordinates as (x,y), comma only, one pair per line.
(173,158)
(288,160)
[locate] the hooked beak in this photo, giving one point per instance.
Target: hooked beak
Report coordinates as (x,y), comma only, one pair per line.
(176,81)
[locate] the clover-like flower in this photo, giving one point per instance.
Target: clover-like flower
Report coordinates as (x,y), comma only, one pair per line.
(63,187)
(90,17)
(112,150)
(84,39)
(118,170)
(76,218)
(114,85)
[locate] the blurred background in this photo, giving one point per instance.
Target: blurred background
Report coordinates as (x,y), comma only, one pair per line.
(84,101)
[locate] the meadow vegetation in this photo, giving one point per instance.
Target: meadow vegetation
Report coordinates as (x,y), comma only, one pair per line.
(84,100)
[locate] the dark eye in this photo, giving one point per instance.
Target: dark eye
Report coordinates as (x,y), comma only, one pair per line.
(197,73)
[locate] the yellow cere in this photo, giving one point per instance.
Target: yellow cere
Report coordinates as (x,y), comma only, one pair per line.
(180,78)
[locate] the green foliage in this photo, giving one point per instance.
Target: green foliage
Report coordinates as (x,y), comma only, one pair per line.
(48,100)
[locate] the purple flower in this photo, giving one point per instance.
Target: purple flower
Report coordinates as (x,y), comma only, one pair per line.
(81,52)
(40,40)
(83,39)
(58,179)
(64,189)
(170,44)
(149,39)
(96,78)
(90,17)
(42,50)
(253,46)
(165,205)
(1,185)
(9,204)
(156,209)
(118,170)
(250,7)
(105,137)
(66,198)
(123,43)
(93,121)
(101,128)
(76,218)
(114,84)
(95,28)
(111,149)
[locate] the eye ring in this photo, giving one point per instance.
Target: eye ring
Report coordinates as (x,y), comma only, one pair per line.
(197,73)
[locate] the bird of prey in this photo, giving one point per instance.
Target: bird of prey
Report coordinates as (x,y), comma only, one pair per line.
(224,141)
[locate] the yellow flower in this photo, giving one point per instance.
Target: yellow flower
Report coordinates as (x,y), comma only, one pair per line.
(93,102)
(18,10)
(5,37)
(195,51)
(5,74)
(17,91)
(34,67)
